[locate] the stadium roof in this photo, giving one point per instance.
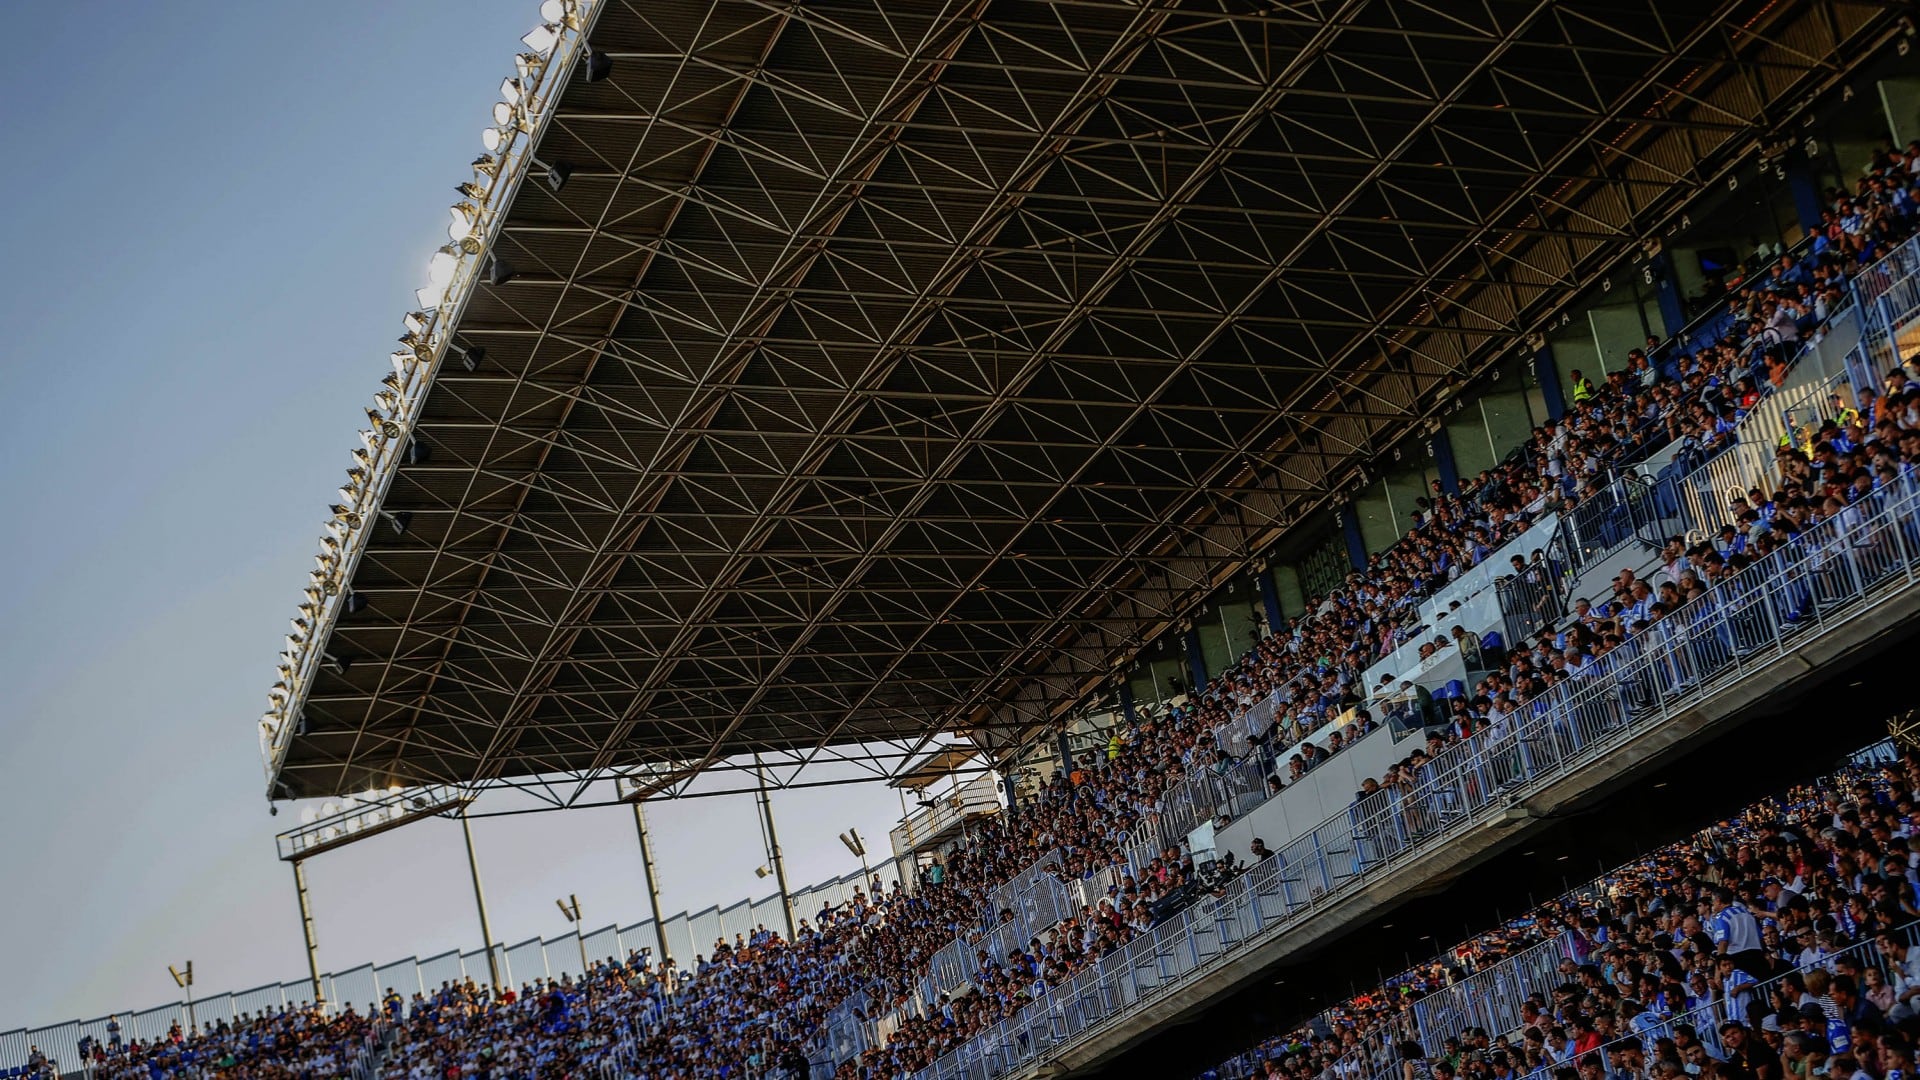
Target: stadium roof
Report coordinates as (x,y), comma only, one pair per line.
(882,369)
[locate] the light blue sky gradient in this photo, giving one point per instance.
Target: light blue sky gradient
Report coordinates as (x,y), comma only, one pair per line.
(214,216)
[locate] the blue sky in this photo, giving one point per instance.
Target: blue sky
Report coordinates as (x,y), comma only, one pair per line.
(214,216)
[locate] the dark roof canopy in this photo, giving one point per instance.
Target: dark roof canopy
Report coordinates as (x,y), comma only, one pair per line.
(890,367)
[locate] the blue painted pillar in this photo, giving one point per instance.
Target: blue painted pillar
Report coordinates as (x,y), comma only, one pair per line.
(1126,704)
(1006,785)
(1270,599)
(1449,469)
(1196,661)
(1356,545)
(1065,749)
(1673,309)
(1807,203)
(1547,372)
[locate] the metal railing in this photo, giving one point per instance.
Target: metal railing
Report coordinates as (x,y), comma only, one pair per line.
(1523,974)
(1830,576)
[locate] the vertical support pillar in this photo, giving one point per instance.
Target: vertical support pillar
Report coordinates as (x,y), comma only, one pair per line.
(480,904)
(1443,462)
(773,848)
(1127,708)
(1270,601)
(1196,662)
(1064,747)
(1547,372)
(1807,204)
(306,931)
(1356,545)
(1666,288)
(653,880)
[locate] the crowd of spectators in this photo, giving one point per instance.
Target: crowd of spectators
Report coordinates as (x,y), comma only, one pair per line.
(751,1005)
(1696,395)
(1731,954)
(298,1043)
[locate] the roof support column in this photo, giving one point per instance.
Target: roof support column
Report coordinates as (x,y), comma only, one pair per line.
(1807,204)
(1449,469)
(1356,545)
(1196,661)
(1270,596)
(1547,373)
(1673,309)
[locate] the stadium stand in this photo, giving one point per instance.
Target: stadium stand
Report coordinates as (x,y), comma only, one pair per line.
(1052,919)
(1650,646)
(1102,842)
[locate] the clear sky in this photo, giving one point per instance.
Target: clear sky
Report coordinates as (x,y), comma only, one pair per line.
(213,217)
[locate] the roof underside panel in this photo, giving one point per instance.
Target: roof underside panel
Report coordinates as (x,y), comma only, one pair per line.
(886,368)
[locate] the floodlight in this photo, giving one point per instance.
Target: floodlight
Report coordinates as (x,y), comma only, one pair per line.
(510,91)
(417,322)
(554,11)
(308,816)
(541,39)
(471,190)
(485,165)
(400,521)
(388,400)
(402,360)
(418,453)
(557,174)
(493,139)
(503,114)
(528,65)
(463,216)
(761,871)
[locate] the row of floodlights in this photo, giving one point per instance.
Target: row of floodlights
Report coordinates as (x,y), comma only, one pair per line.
(427,333)
(374,813)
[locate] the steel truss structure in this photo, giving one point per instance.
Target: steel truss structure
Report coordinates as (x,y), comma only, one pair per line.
(889,368)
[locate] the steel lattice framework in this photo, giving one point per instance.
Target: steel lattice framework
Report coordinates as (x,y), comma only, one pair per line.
(893,367)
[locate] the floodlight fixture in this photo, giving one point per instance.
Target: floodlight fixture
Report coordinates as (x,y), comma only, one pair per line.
(356,817)
(541,39)
(462,217)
